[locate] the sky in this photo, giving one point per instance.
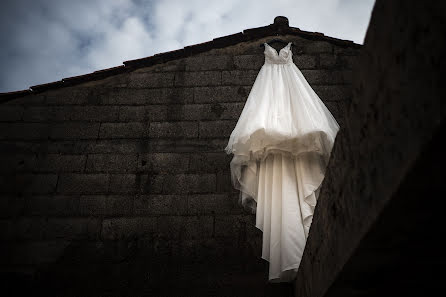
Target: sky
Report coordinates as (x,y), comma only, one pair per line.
(46,40)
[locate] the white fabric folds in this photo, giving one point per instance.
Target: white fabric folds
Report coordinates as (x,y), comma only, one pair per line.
(281,145)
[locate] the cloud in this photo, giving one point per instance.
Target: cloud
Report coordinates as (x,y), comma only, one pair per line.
(47,40)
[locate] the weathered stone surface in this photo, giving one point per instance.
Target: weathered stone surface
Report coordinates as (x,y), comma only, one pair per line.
(28,183)
(249,62)
(191,112)
(198,78)
(72,228)
(122,130)
(132,113)
(333,93)
(36,252)
(161,204)
(146,96)
(224,184)
(39,228)
(74,130)
(216,129)
(111,163)
(17,162)
(233,225)
(70,96)
(123,183)
(327,77)
(121,228)
(119,146)
(34,99)
(348,61)
(199,63)
(187,227)
(25,131)
(173,130)
(23,228)
(163,162)
(11,113)
(11,206)
(49,205)
(230,111)
(221,94)
(327,60)
(82,183)
(105,205)
(213,204)
(305,61)
(170,66)
(178,183)
(59,163)
(238,77)
(209,162)
(151,80)
(70,113)
(165,113)
(317,47)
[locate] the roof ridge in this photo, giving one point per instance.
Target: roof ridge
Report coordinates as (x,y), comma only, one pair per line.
(280,26)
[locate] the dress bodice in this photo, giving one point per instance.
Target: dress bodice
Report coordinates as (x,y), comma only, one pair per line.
(283,57)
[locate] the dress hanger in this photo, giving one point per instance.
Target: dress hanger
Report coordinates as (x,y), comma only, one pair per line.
(277,40)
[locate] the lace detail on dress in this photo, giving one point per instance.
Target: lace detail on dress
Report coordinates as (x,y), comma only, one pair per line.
(284,56)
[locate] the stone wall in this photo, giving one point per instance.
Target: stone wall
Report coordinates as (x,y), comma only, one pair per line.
(378,221)
(122,184)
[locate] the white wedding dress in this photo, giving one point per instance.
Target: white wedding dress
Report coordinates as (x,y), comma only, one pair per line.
(281,145)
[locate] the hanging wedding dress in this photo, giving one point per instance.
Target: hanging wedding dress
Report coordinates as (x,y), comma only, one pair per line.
(281,145)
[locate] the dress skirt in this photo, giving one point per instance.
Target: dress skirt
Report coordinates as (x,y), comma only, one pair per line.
(287,194)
